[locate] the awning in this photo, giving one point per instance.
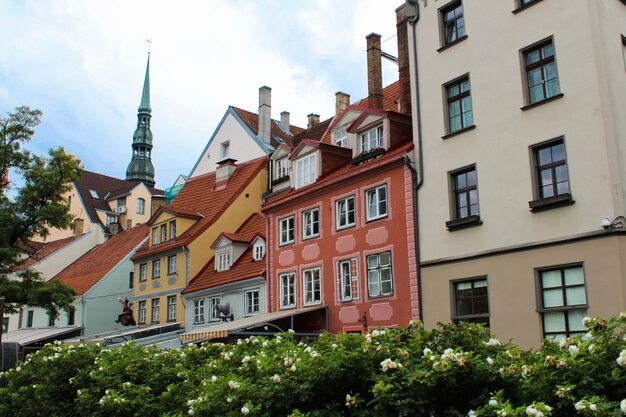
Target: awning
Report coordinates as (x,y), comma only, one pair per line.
(222,330)
(31,335)
(133,333)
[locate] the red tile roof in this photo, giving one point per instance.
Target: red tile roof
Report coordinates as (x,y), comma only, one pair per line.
(39,250)
(83,273)
(199,195)
(315,133)
(252,121)
(244,268)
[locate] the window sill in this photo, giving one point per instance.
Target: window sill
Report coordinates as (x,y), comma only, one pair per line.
(363,157)
(171,320)
(310,237)
(469,221)
(458,132)
(544,101)
(286,243)
(375,297)
(526,6)
(373,219)
(291,307)
(196,323)
(551,202)
(281,179)
(443,48)
(346,227)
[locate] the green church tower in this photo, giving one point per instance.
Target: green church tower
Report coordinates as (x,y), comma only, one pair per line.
(140,167)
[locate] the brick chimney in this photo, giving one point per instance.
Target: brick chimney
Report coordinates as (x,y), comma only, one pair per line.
(342,100)
(284,120)
(265,113)
(79,224)
(403,60)
(314,120)
(374,72)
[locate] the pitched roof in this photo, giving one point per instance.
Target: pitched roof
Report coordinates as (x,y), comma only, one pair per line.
(83,273)
(105,188)
(39,251)
(252,121)
(244,267)
(315,133)
(200,196)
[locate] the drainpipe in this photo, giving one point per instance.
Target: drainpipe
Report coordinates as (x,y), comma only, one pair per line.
(417,178)
(83,312)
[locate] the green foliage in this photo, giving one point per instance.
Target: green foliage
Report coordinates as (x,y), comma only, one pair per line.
(449,371)
(38,205)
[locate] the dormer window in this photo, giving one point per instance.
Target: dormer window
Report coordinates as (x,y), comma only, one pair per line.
(223,261)
(371,139)
(281,168)
(163,232)
(258,249)
(225,148)
(341,138)
(155,235)
(306,170)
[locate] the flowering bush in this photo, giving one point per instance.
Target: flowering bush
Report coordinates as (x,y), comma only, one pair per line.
(454,370)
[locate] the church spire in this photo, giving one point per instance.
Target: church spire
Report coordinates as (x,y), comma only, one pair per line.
(140,167)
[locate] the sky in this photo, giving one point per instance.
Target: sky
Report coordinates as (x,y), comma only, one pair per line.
(83,62)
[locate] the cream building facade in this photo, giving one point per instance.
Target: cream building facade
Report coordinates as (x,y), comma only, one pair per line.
(520,147)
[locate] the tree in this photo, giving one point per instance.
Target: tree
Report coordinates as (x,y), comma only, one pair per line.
(37,206)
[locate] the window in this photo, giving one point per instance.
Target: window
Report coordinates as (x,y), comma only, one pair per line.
(223,261)
(345,213)
(198,311)
(562,301)
(452,23)
(143,272)
(341,138)
(141,206)
(163,232)
(171,265)
(171,308)
(154,317)
(379,280)
(470,301)
(311,223)
(51,320)
(376,203)
(311,286)
(131,279)
(523,4)
(110,220)
(465,193)
(305,171)
(173,230)
(121,205)
(94,194)
(541,77)
(371,139)
(281,168)
(459,105)
(214,314)
(286,230)
(551,170)
(287,290)
(30,315)
(155,235)
(251,302)
(156,268)
(71,318)
(258,250)
(224,150)
(141,319)
(348,280)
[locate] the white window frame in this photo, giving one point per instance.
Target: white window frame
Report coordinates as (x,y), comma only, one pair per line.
(312,286)
(156,268)
(223,260)
(373,200)
(171,308)
(258,250)
(341,138)
(344,212)
(306,170)
(141,206)
(346,278)
(173,229)
(311,223)
(155,310)
(287,285)
(142,313)
(163,233)
(252,306)
(171,265)
(281,168)
(143,272)
(225,149)
(372,139)
(289,229)
(375,274)
(155,235)
(213,302)
(199,314)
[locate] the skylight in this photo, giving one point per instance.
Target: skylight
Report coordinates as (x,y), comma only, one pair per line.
(94,194)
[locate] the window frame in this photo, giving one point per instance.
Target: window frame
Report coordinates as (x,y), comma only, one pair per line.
(256,304)
(523,5)
(225,150)
(143,272)
(340,212)
(155,310)
(163,233)
(258,250)
(223,260)
(156,268)
(141,206)
(306,175)
(173,230)
(199,311)
(458,83)
(444,23)
(542,63)
(171,265)
(371,192)
(30,318)
(340,138)
(142,314)
(290,230)
(365,139)
(291,287)
(155,235)
(379,268)
(457,220)
(474,316)
(171,312)
(349,281)
(309,221)
(281,168)
(213,302)
(312,286)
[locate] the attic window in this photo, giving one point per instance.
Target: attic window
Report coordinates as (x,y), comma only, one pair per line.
(341,138)
(371,139)
(94,194)
(223,261)
(258,250)
(224,153)
(306,170)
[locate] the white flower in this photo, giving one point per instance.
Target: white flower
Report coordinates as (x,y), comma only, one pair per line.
(622,315)
(245,410)
(334,346)
(531,411)
(621,361)
(493,403)
(593,407)
(191,412)
(275,379)
(502,413)
(293,368)
(213,378)
(229,400)
(539,414)
(233,384)
(548,408)
(562,343)
(290,331)
(17,369)
(490,361)
(622,404)
(591,348)
(245,360)
(471,413)
(588,336)
(580,405)
(239,342)
(492,342)
(375,333)
(427,352)
(79,392)
(587,320)
(573,350)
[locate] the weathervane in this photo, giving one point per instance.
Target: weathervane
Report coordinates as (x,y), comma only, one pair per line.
(149,45)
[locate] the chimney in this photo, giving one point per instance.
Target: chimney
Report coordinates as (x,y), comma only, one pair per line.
(78,227)
(342,100)
(374,72)
(114,228)
(284,120)
(403,60)
(225,169)
(265,113)
(314,120)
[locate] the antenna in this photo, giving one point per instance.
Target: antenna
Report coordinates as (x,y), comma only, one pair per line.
(149,45)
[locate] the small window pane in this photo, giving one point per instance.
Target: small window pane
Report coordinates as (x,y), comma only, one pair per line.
(554,322)
(372,262)
(575,320)
(544,156)
(553,298)
(574,276)
(551,279)
(461,181)
(575,296)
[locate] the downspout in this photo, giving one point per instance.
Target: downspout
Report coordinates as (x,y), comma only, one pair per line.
(417,178)
(83,312)
(182,299)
